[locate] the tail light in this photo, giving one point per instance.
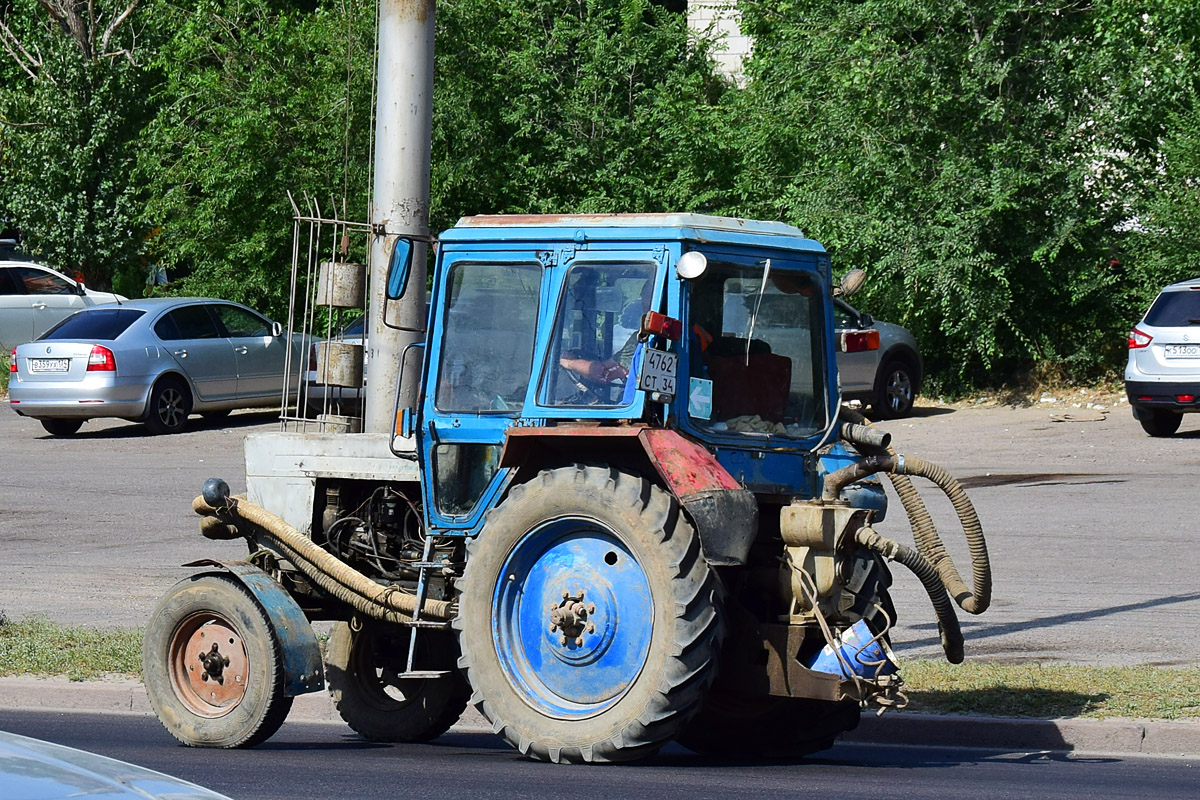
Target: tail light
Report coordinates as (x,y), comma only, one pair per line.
(12,365)
(101,360)
(860,341)
(1138,340)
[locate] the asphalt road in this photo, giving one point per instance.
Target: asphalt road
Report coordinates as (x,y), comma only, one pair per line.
(326,762)
(1089,524)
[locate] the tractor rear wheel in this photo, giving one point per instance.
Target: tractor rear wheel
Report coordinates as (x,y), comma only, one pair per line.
(589,621)
(363,670)
(213,665)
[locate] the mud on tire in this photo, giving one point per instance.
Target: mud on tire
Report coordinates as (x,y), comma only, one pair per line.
(236,697)
(630,565)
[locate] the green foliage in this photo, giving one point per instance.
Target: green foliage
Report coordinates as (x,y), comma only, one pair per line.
(977,158)
(1018,178)
(588,106)
(256,101)
(69,123)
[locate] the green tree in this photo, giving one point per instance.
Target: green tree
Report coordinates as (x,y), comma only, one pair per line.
(73,99)
(982,160)
(258,98)
(586,106)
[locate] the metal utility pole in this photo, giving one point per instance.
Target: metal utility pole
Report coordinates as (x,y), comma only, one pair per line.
(403,131)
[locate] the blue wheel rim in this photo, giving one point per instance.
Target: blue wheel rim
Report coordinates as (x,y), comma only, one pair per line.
(588,562)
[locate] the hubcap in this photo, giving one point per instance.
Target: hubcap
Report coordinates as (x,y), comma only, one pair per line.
(170,407)
(899,390)
(208,665)
(573,618)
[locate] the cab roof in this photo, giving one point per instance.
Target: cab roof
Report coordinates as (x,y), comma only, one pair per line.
(616,227)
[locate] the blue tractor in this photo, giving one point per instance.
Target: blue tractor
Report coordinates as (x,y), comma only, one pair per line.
(627,508)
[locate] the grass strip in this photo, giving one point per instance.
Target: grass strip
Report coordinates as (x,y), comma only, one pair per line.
(1055,690)
(37,646)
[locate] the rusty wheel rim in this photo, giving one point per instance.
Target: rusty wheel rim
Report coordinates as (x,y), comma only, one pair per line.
(209,665)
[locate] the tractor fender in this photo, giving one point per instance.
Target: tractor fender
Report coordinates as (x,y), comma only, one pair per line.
(302,666)
(724,513)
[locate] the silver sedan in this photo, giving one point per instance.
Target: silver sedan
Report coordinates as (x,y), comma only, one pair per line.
(155,361)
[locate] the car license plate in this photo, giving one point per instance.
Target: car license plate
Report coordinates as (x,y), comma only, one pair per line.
(1182,351)
(49,364)
(658,372)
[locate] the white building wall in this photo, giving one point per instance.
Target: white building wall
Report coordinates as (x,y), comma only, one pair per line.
(721,19)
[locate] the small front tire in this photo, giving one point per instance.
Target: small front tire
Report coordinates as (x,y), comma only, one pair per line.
(213,665)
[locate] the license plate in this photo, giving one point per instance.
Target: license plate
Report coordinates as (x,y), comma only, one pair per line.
(658,372)
(1181,350)
(49,364)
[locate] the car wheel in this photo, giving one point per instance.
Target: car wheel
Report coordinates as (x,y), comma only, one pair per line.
(62,427)
(895,390)
(1160,423)
(170,405)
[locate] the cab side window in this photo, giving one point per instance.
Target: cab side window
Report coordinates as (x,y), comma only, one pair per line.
(487,343)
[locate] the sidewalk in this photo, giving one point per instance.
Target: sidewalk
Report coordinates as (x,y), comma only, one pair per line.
(1093,736)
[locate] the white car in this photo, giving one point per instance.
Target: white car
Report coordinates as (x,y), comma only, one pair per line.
(1162,377)
(34,298)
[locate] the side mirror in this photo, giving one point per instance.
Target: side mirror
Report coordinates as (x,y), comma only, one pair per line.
(850,283)
(399,268)
(865,320)
(276,329)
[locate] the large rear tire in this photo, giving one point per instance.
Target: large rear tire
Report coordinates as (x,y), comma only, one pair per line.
(589,622)
(363,667)
(213,665)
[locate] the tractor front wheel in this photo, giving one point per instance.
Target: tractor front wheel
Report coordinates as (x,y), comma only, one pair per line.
(213,665)
(589,621)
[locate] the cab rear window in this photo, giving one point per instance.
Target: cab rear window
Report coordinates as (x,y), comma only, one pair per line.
(1175,310)
(100,324)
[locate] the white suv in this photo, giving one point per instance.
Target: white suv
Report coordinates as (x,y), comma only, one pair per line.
(1162,378)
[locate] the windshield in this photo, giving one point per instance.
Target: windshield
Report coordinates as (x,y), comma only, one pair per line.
(101,324)
(596,350)
(755,360)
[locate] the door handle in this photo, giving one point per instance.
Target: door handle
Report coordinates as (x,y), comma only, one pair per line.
(180,353)
(241,351)
(39,306)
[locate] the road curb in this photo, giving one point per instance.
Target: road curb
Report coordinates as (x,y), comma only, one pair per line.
(1099,736)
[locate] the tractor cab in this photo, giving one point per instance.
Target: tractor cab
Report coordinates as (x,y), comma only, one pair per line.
(710,326)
